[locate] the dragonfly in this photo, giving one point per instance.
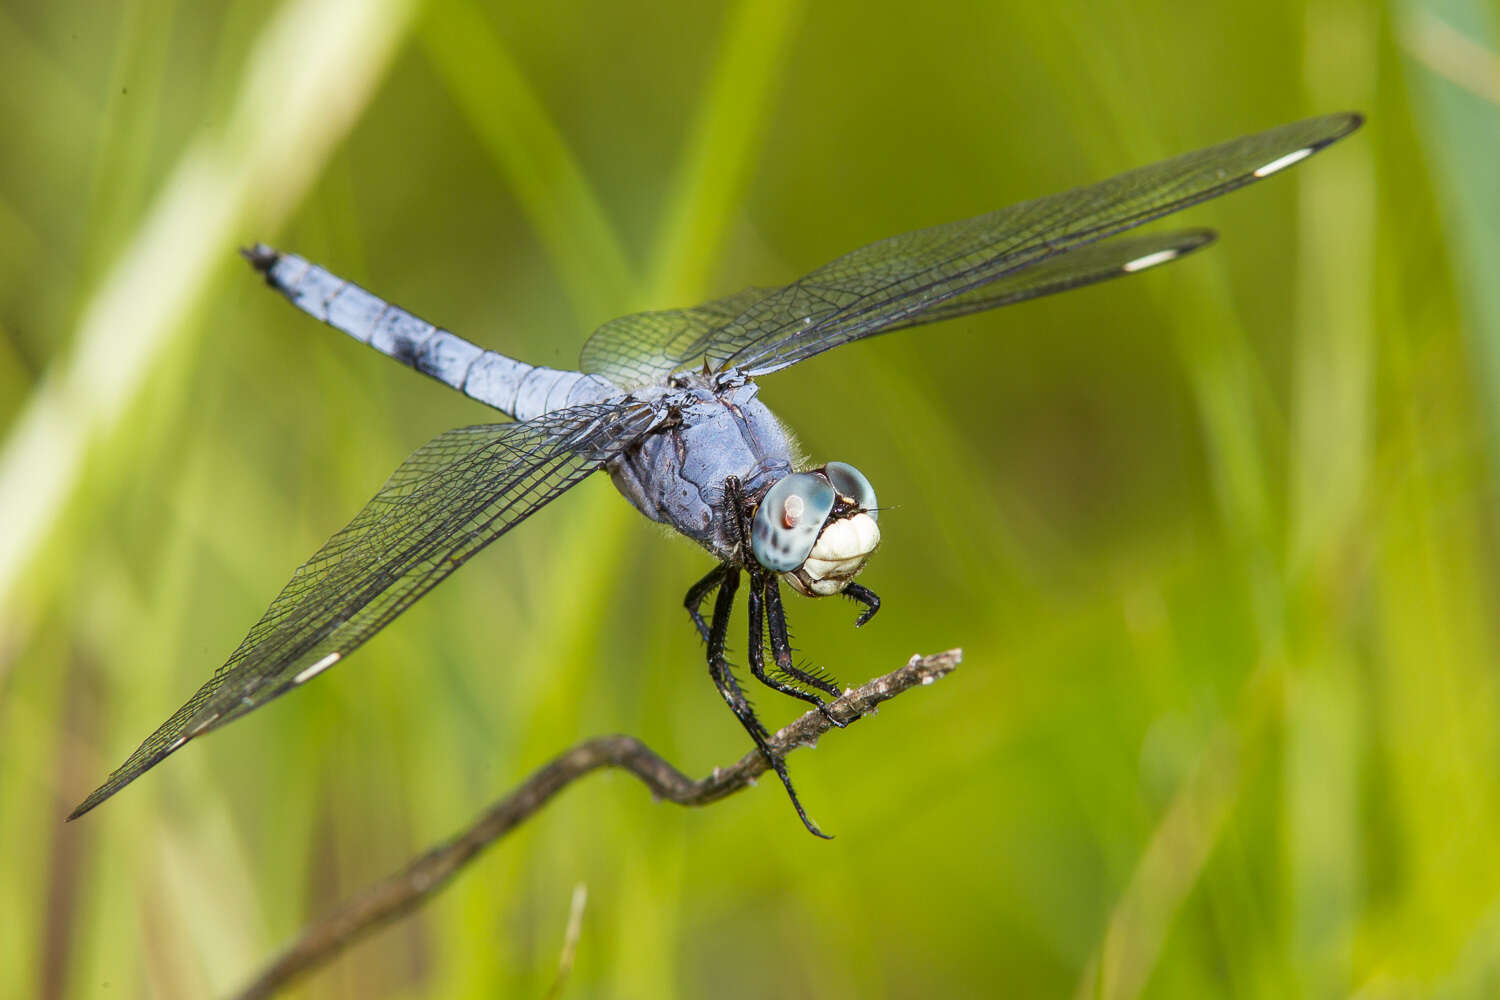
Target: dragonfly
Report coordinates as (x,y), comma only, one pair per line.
(666,403)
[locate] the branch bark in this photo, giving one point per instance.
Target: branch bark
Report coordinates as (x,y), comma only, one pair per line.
(423,877)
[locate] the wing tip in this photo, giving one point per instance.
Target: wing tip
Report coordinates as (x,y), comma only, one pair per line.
(125,774)
(97,797)
(1342,123)
(1326,130)
(1196,238)
(1155,249)
(1192,240)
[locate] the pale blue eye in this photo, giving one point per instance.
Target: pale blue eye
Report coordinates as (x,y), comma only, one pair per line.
(789,519)
(851,483)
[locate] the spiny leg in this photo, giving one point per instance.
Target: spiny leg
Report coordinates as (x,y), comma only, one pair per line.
(764,581)
(737,518)
(865,596)
(729,689)
(758,654)
(699,592)
(718,666)
(781,648)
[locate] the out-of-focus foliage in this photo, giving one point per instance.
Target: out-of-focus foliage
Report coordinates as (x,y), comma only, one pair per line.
(1219,541)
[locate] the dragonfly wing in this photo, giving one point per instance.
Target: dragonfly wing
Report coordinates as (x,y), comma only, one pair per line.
(451,498)
(642,349)
(1020,252)
(1087,265)
(892,283)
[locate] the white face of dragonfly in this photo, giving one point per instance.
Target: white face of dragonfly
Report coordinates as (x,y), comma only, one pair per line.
(817,529)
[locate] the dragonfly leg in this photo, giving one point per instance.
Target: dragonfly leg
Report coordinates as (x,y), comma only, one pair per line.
(865,596)
(718,665)
(763,582)
(729,689)
(758,606)
(781,649)
(699,592)
(737,514)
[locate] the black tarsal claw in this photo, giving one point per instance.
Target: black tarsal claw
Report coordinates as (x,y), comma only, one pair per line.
(780,767)
(864,595)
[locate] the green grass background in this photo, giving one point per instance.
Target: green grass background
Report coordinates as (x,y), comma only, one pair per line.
(1218,541)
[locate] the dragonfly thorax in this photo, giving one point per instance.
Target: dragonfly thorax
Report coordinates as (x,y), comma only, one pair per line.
(676,476)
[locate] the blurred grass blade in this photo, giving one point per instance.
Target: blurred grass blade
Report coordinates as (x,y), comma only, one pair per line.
(1332,434)
(724,142)
(508,118)
(312,69)
(1456,97)
(53,89)
(1335,291)
(1171,864)
(1454,41)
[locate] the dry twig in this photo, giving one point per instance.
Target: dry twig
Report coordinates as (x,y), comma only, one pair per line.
(422,878)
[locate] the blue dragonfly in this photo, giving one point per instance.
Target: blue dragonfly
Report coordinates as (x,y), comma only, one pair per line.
(666,403)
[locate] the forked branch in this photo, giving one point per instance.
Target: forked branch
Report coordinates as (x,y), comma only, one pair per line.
(428,873)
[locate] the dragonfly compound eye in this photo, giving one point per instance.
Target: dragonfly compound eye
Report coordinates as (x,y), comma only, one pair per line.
(789,519)
(845,541)
(851,483)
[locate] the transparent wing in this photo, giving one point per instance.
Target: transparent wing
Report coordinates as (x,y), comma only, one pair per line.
(451,498)
(905,280)
(1088,265)
(891,282)
(644,348)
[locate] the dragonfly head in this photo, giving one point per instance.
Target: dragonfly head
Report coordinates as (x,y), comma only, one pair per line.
(817,528)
